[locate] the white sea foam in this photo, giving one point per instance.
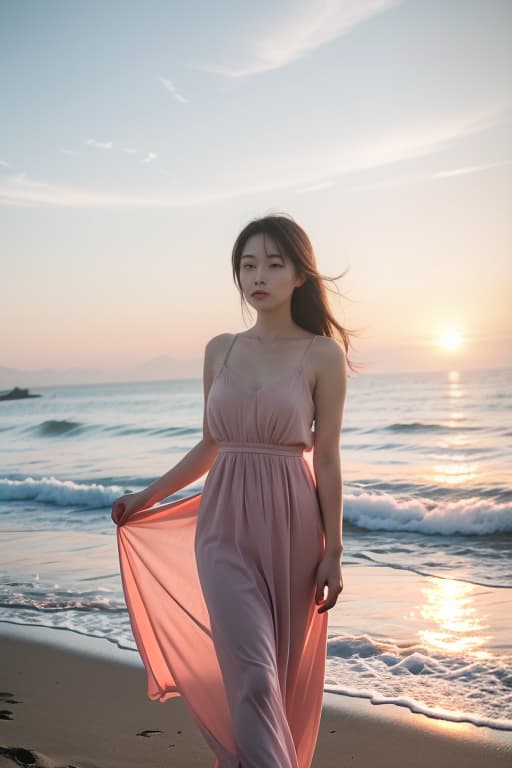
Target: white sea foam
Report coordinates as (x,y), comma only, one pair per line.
(471,516)
(372,511)
(61,493)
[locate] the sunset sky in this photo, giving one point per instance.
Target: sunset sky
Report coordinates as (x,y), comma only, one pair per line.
(138,138)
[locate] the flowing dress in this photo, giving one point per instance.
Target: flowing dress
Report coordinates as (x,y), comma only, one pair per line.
(220,585)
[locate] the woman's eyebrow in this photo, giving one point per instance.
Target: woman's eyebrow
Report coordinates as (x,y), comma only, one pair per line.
(269,256)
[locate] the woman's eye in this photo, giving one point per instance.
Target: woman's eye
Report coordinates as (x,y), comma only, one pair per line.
(275,264)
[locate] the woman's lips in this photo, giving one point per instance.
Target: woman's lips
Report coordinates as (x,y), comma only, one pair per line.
(259,295)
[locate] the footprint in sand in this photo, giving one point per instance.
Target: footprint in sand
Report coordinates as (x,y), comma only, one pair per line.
(20,756)
(6,697)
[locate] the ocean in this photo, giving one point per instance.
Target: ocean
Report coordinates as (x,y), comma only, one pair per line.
(424,620)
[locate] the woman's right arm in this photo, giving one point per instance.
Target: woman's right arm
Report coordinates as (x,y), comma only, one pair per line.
(192,466)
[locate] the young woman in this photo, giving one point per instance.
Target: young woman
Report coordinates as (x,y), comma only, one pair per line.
(225,588)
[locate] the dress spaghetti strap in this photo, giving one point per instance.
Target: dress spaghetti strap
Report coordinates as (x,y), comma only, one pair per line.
(230,348)
(307,350)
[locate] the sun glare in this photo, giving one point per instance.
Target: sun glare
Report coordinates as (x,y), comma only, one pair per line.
(451,339)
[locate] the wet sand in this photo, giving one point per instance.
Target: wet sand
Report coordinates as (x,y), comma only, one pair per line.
(69,700)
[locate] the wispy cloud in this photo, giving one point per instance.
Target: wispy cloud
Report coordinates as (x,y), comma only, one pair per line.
(318,22)
(315,187)
(108,145)
(417,139)
(2,162)
(172,89)
(469,169)
(99,144)
(324,164)
(399,182)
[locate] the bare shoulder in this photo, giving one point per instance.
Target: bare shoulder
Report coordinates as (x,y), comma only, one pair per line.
(329,358)
(219,341)
(328,368)
(215,350)
(329,397)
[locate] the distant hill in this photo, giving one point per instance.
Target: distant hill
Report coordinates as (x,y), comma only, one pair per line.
(156,369)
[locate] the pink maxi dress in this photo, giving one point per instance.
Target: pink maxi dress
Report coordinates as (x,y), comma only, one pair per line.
(220,585)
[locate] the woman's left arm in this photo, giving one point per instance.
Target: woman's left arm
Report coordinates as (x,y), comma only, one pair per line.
(329,397)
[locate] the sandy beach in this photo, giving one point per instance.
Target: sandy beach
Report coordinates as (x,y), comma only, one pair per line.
(280,326)
(70,700)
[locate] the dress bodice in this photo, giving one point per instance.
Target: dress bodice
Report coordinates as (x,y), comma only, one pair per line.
(280,413)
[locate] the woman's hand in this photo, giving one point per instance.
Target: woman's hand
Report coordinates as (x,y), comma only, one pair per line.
(124,506)
(328,574)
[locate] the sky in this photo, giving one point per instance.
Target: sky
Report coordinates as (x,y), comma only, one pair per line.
(138,138)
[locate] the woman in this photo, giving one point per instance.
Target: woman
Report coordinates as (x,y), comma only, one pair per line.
(223,586)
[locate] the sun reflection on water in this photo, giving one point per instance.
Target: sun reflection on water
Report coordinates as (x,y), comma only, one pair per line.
(456,627)
(454,473)
(455,469)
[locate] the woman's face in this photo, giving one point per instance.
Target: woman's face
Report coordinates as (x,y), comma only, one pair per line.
(269,272)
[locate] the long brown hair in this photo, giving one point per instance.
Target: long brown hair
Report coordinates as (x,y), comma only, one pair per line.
(309,305)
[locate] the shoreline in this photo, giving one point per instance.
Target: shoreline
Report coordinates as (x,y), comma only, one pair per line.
(81,701)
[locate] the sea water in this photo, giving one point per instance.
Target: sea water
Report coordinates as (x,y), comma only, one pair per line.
(424,619)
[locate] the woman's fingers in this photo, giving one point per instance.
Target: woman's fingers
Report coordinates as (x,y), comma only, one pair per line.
(118,509)
(333,591)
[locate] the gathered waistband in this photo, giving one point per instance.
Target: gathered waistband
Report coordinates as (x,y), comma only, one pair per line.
(245,447)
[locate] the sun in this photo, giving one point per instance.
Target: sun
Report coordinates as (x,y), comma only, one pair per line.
(451,339)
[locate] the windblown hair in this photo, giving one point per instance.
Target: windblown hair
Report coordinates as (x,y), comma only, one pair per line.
(309,305)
